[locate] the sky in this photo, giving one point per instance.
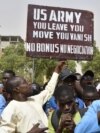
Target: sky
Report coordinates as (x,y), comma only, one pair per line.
(13,14)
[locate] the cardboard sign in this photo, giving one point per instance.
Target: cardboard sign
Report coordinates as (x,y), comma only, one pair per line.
(60,33)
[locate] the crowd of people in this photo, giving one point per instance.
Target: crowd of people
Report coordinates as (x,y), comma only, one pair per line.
(67,103)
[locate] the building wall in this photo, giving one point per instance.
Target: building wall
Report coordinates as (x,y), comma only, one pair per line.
(7,40)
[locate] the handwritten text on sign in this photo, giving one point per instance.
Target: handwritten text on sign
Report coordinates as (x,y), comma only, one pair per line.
(59,33)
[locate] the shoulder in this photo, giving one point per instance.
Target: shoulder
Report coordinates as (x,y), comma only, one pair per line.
(2,98)
(96,102)
(2,101)
(87,125)
(11,105)
(95,106)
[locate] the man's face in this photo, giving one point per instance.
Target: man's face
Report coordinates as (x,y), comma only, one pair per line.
(87,80)
(5,77)
(66,104)
(25,89)
(90,97)
(69,80)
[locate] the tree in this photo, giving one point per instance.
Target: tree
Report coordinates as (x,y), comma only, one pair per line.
(14,58)
(93,65)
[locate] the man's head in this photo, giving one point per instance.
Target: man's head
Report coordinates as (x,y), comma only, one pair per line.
(36,88)
(87,78)
(18,86)
(90,94)
(68,77)
(6,75)
(64,96)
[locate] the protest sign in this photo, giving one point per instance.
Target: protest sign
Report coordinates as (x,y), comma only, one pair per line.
(62,33)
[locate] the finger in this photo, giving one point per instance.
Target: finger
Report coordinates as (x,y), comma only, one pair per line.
(69,126)
(43,129)
(36,125)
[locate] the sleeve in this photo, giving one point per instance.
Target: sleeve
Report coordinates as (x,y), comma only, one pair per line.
(87,125)
(46,94)
(8,119)
(89,122)
(2,103)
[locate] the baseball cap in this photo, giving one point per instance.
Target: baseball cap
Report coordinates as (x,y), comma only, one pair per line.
(65,73)
(88,73)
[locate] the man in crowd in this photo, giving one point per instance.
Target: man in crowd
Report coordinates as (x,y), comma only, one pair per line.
(4,96)
(24,112)
(66,117)
(90,122)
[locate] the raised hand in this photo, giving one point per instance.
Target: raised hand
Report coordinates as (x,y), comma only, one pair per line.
(59,66)
(66,123)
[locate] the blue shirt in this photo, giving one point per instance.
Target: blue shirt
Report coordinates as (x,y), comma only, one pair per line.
(51,104)
(89,122)
(79,102)
(3,103)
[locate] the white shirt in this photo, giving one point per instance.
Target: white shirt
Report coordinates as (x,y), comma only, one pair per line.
(21,116)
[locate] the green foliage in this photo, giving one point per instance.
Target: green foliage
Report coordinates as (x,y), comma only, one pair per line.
(93,65)
(14,58)
(72,65)
(46,67)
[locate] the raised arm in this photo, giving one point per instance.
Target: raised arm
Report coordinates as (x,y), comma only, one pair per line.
(50,87)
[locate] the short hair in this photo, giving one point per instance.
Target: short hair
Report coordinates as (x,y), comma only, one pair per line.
(10,72)
(36,88)
(14,82)
(63,90)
